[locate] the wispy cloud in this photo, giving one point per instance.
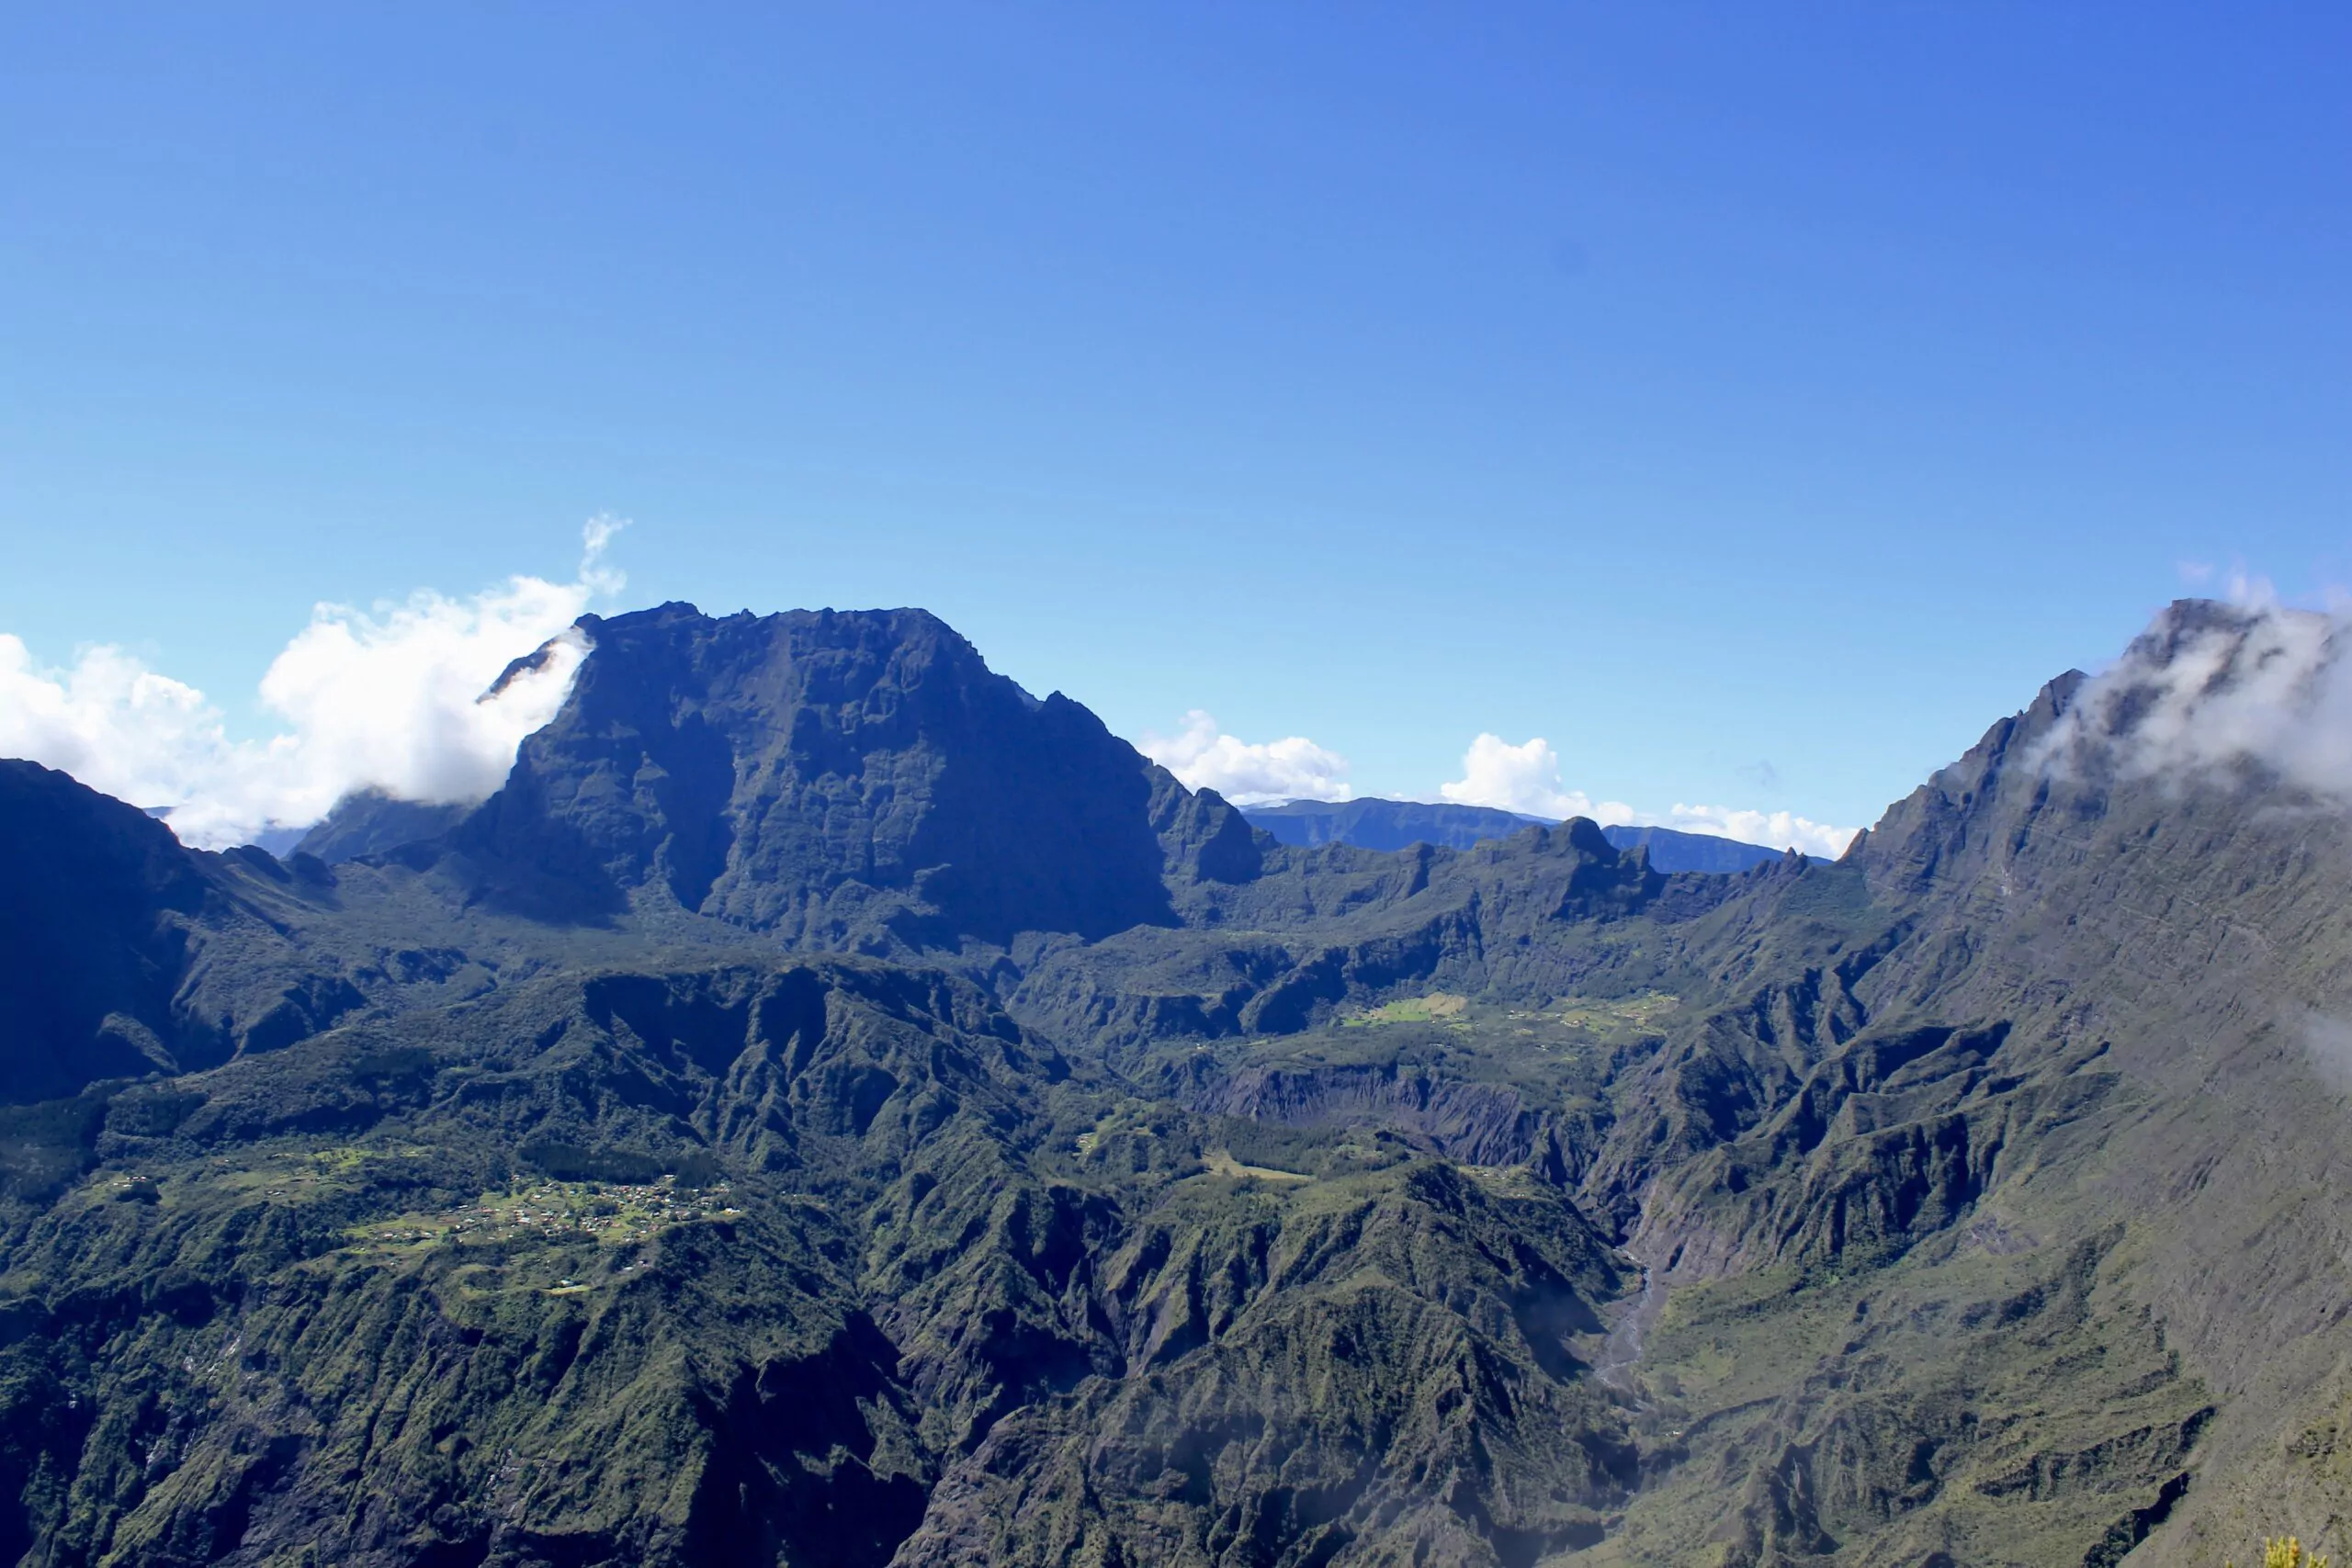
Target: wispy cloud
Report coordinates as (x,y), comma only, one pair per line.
(394,697)
(1248,773)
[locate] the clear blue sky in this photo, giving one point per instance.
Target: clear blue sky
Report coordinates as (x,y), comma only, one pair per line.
(1698,386)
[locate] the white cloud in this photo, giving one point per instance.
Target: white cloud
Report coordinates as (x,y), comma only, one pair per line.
(1781,829)
(1204,756)
(395,698)
(2329,1042)
(2210,686)
(109,718)
(1525,778)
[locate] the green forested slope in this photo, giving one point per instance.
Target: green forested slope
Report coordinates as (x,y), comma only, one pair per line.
(664,1166)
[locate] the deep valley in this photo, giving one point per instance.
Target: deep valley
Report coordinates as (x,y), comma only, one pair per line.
(833,1107)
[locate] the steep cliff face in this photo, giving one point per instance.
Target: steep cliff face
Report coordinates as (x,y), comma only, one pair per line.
(89,911)
(835,778)
(2182,921)
(125,954)
(2082,984)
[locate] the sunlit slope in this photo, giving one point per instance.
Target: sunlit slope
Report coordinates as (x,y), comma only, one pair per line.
(657,1165)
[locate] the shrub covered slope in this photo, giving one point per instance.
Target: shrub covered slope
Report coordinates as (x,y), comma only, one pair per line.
(833,1107)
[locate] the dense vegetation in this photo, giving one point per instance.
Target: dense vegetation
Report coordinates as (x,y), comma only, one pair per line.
(834,1108)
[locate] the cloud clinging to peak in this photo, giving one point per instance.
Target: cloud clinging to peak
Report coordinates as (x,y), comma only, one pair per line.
(394,697)
(2213,685)
(1248,773)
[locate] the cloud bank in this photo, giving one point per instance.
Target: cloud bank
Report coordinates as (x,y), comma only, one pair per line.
(396,698)
(1204,756)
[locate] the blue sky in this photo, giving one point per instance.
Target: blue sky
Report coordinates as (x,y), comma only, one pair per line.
(1753,401)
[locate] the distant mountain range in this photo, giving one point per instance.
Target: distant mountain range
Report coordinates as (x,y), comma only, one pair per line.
(1375,823)
(832,1106)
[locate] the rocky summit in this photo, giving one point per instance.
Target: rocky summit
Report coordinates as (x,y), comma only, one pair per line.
(833,1107)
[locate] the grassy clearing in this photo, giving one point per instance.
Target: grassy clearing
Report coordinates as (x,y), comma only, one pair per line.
(1220,1162)
(1438,1007)
(1503,1180)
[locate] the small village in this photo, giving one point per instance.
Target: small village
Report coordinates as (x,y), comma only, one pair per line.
(611,1212)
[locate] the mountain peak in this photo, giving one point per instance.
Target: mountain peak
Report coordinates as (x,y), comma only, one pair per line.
(832,775)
